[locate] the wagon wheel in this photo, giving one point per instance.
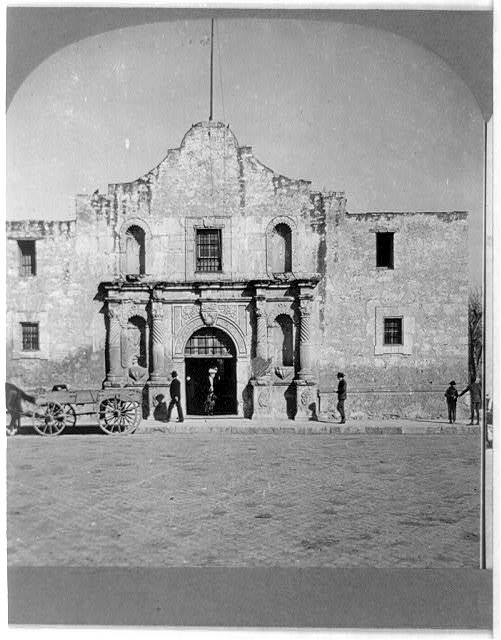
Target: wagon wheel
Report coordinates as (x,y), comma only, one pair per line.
(71,416)
(117,416)
(52,421)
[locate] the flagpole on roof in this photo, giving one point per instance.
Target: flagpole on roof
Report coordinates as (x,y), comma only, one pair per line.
(211,64)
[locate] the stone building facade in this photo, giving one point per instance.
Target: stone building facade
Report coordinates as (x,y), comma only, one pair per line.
(212,259)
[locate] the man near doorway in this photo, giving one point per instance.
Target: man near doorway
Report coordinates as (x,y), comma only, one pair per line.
(341,396)
(211,397)
(175,398)
(475,389)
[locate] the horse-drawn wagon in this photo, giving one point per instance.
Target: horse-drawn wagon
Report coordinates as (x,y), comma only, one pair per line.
(117,410)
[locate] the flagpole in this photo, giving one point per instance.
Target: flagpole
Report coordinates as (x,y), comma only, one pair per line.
(211,64)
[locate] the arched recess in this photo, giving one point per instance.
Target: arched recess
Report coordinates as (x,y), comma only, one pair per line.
(231,328)
(283,340)
(135,247)
(281,245)
(135,341)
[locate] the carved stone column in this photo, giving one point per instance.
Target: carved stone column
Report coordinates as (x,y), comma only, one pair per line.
(114,374)
(261,329)
(157,334)
(305,345)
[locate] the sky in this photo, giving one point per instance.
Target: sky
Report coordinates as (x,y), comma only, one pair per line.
(350,108)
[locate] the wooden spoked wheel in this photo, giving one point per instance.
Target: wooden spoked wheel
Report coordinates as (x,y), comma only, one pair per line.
(71,416)
(50,420)
(117,416)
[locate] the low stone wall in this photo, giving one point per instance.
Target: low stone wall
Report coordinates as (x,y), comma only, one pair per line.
(422,405)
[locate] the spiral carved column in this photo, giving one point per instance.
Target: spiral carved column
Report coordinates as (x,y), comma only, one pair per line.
(114,374)
(157,334)
(261,329)
(305,345)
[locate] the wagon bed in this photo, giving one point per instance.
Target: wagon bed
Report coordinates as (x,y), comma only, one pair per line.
(118,410)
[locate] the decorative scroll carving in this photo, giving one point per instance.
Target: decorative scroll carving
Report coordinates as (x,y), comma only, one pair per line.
(242,318)
(305,326)
(230,311)
(188,311)
(305,346)
(209,313)
(261,328)
(114,327)
(263,399)
(157,329)
(306,397)
(284,373)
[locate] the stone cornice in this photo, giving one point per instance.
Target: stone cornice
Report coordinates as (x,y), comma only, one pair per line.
(150,284)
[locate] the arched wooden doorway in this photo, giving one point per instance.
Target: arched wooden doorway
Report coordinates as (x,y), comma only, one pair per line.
(210,348)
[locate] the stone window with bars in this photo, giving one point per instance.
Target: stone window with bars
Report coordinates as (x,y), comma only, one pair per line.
(27,258)
(208,250)
(393,331)
(30,336)
(208,343)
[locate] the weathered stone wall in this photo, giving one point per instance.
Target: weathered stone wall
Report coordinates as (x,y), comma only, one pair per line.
(209,180)
(61,298)
(212,181)
(428,287)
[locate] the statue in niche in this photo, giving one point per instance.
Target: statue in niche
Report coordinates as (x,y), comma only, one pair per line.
(137,374)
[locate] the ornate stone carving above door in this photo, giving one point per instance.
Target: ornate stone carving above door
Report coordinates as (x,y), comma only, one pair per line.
(209,313)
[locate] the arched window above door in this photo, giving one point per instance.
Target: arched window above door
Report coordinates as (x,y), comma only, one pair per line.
(209,342)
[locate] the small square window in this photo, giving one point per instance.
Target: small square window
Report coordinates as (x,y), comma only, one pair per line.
(393,331)
(30,335)
(209,254)
(27,257)
(384,250)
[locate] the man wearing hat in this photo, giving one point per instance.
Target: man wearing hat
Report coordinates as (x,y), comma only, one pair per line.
(175,398)
(341,396)
(451,395)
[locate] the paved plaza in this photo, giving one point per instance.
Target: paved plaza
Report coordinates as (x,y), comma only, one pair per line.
(244,500)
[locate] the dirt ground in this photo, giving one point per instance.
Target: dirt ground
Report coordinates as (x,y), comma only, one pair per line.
(243,500)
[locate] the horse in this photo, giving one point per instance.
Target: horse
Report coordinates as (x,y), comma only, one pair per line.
(18,403)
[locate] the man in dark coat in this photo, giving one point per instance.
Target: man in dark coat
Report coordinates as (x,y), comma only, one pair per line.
(341,396)
(475,389)
(451,395)
(175,398)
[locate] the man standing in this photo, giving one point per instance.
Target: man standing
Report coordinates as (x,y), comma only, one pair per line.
(341,396)
(451,395)
(175,398)
(475,389)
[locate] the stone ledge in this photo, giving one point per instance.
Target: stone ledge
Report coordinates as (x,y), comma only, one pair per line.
(243,426)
